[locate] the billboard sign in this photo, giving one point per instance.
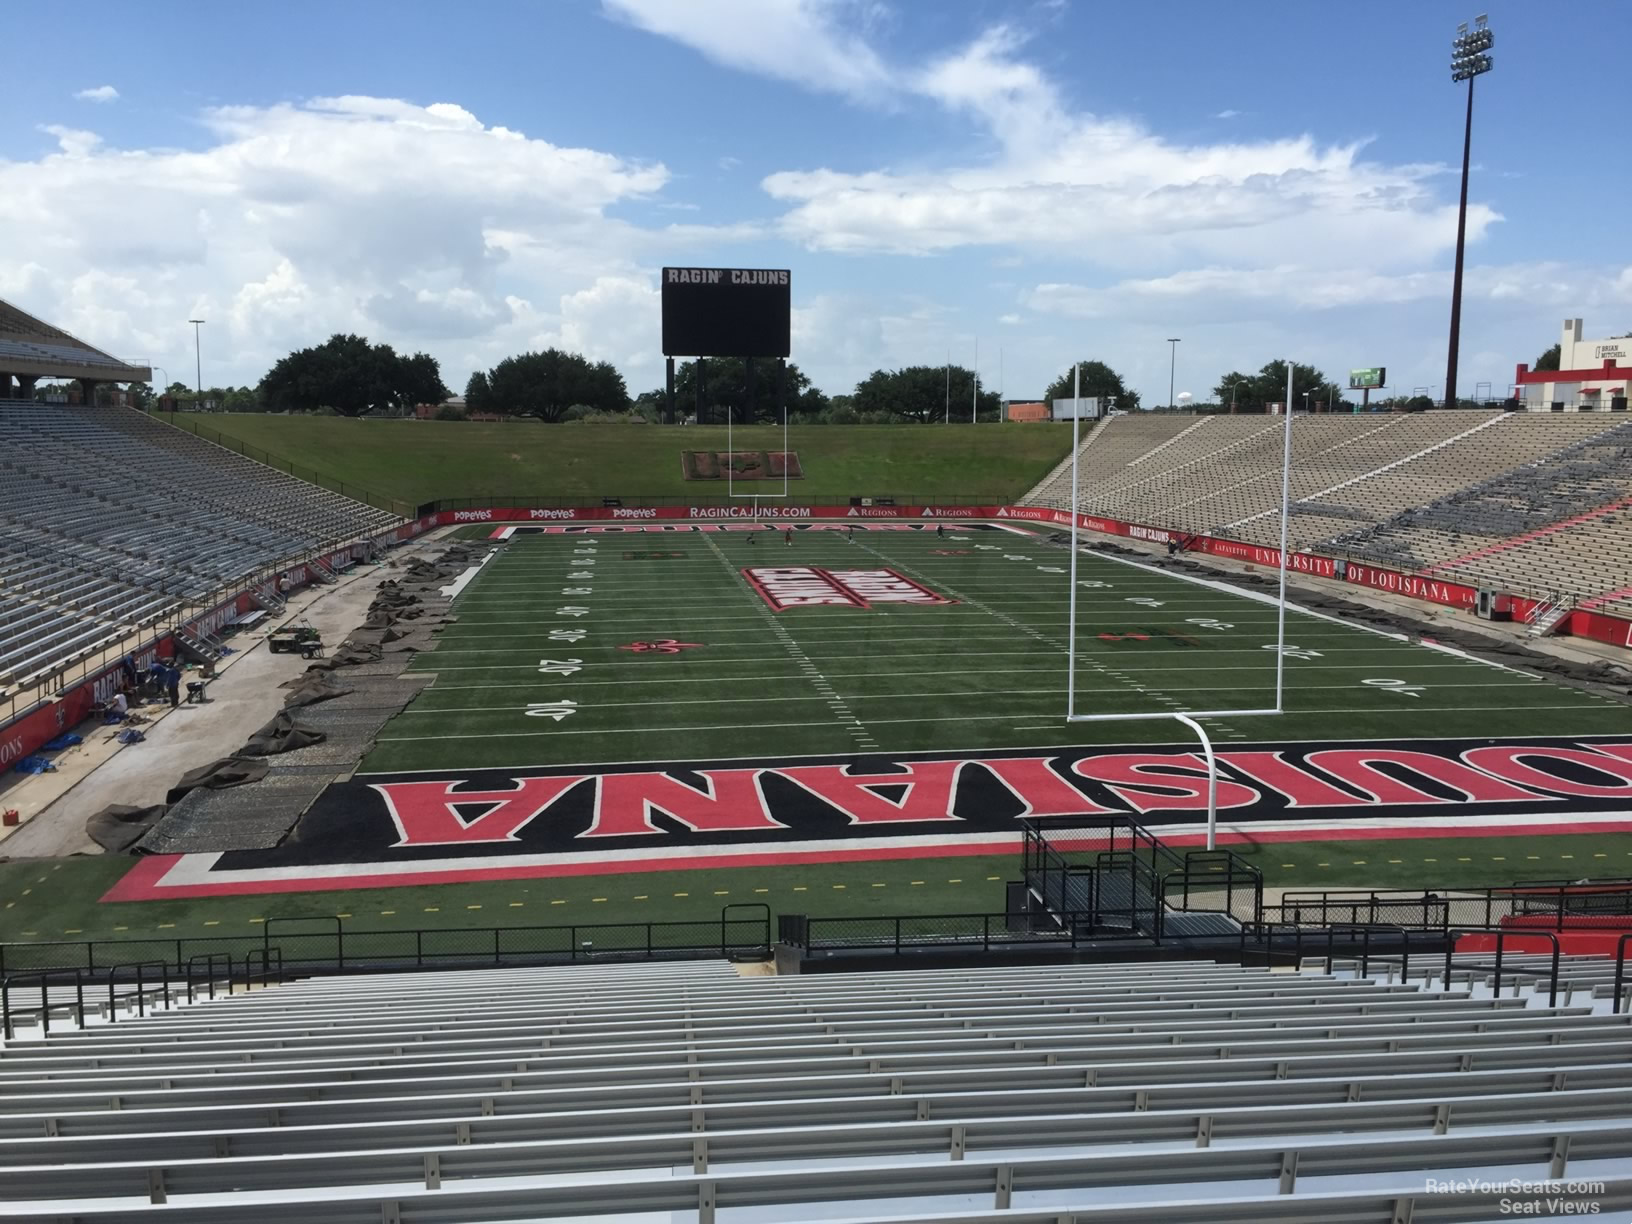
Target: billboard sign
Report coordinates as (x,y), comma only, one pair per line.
(1367,380)
(726,312)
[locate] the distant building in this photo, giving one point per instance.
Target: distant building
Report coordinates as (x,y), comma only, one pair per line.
(1027,410)
(426,412)
(1592,375)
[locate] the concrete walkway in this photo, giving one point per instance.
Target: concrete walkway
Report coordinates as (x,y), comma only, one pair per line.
(243,697)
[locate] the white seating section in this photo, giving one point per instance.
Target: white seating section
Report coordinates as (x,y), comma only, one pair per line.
(1173,1091)
(113,520)
(1486,498)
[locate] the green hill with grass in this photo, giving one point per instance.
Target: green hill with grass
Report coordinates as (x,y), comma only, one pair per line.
(420,461)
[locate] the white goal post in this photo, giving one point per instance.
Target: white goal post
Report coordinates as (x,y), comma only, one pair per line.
(1188,717)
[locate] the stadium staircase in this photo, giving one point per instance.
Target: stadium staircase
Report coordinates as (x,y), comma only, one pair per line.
(1548,615)
(1112,876)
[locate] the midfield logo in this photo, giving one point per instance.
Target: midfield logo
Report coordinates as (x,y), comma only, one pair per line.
(803,586)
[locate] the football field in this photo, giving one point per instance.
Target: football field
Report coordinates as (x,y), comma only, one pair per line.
(622,647)
(647,725)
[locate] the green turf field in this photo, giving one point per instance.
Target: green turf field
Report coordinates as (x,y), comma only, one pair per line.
(421,461)
(985,672)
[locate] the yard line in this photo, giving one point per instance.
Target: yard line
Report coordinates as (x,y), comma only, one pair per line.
(1008,717)
(829,695)
(937,671)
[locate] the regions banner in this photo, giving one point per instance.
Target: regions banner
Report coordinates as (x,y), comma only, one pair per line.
(437,827)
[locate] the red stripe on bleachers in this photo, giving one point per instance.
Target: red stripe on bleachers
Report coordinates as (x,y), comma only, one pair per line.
(1540,532)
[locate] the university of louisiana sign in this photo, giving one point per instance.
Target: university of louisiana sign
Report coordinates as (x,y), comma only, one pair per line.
(399,829)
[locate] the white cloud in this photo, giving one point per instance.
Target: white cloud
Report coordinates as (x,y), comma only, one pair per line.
(1106,189)
(348,213)
(102,93)
(1227,114)
(1205,293)
(1009,320)
(797,40)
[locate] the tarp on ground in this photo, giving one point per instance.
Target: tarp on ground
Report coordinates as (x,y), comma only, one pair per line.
(283,734)
(228,771)
(119,826)
(348,654)
(311,687)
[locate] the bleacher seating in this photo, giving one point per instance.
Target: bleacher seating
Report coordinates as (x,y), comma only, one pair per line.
(113,520)
(1172,1091)
(1524,502)
(1512,528)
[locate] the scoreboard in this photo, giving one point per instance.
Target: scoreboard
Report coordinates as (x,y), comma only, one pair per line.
(726,312)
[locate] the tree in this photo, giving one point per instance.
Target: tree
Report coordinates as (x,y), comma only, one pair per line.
(139,395)
(1099,381)
(352,376)
(545,385)
(1548,360)
(1250,392)
(240,399)
(478,395)
(922,394)
(419,381)
(725,391)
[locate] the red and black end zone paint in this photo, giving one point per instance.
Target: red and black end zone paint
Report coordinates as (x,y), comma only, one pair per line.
(523,823)
(808,586)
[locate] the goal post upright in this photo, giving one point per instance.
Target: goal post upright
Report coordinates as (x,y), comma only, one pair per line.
(1071,618)
(731,449)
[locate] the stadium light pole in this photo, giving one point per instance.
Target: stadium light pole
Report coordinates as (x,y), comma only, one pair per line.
(166,374)
(1469,59)
(198,367)
(974,388)
(1172,364)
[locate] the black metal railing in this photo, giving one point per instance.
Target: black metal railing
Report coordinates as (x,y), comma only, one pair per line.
(1525,905)
(327,945)
(1273,941)
(902,934)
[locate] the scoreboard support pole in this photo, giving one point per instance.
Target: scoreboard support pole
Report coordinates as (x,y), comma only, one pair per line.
(753,400)
(782,391)
(668,394)
(702,377)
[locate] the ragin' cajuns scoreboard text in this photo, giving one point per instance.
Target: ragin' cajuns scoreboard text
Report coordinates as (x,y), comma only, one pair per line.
(727,312)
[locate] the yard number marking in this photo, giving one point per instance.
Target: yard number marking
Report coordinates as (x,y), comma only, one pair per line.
(567,635)
(551,709)
(1051,569)
(1094,584)
(1207,622)
(1402,687)
(572,610)
(1145,601)
(577,590)
(559,667)
(1295,652)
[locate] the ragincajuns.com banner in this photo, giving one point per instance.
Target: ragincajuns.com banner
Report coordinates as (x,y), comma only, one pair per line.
(516,823)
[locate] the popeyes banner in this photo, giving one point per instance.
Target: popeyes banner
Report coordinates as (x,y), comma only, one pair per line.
(436,826)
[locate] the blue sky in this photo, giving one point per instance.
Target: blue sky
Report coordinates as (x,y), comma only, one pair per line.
(1052,180)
